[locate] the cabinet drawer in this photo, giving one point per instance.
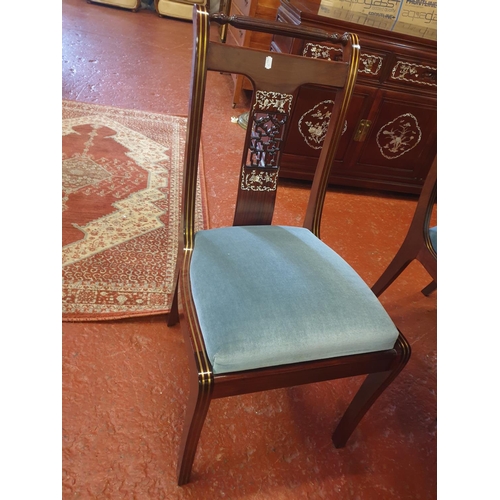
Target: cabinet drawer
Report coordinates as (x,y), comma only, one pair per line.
(236,36)
(371,64)
(420,74)
(243,6)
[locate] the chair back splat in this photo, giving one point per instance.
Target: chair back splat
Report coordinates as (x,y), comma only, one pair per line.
(302,314)
(276,79)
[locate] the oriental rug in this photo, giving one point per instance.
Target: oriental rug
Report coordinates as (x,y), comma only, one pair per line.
(121,210)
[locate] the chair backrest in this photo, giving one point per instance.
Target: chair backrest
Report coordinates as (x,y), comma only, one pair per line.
(276,79)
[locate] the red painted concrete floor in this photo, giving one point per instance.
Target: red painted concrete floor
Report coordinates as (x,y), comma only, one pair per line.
(124,387)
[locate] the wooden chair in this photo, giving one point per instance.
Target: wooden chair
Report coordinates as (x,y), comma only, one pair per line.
(265,306)
(420,242)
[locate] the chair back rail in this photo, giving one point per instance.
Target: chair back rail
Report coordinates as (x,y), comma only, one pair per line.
(276,28)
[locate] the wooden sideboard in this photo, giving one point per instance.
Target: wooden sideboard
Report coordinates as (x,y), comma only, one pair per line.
(263,9)
(390,136)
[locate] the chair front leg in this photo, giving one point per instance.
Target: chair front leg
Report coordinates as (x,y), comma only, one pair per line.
(372,387)
(398,264)
(429,261)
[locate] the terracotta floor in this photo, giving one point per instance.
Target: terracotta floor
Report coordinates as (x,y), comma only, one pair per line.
(124,387)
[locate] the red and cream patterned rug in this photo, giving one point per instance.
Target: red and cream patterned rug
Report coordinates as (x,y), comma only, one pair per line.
(122,179)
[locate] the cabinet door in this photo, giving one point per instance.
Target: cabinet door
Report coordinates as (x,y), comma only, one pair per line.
(401,142)
(308,126)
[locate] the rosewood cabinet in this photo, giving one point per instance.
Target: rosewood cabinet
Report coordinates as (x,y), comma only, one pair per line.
(390,135)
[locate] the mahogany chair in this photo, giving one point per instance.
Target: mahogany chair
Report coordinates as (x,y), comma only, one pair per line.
(420,242)
(264,306)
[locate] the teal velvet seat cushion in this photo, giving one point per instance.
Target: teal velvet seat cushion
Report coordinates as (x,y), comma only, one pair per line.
(273,295)
(433,235)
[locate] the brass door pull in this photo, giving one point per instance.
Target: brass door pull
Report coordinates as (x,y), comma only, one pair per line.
(362,130)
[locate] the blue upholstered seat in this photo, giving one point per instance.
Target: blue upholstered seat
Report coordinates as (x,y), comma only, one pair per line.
(433,235)
(272,295)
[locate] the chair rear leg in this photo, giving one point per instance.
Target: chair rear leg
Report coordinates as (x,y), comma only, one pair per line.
(372,387)
(196,412)
(173,315)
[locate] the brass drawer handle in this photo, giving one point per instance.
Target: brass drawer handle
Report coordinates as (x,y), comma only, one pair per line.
(362,130)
